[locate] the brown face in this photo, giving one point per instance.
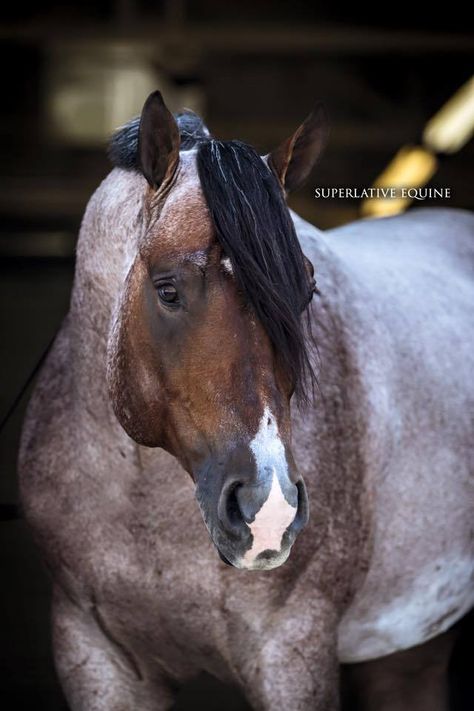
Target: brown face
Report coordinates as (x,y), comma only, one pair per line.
(192,370)
(198,377)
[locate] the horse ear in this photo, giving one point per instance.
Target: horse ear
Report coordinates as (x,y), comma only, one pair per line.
(158,141)
(295,158)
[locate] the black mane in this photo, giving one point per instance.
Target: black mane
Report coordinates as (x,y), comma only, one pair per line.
(254,227)
(123,146)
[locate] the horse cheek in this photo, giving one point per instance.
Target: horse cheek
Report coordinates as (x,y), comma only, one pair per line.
(133,362)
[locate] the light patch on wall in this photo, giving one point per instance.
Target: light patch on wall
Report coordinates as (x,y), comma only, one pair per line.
(93,89)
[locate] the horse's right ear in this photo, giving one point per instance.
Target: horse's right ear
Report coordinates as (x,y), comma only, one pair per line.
(158,141)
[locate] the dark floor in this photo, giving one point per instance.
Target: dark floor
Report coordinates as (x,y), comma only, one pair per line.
(34,297)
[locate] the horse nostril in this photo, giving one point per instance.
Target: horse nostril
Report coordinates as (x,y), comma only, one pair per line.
(232,507)
(229,511)
(302,511)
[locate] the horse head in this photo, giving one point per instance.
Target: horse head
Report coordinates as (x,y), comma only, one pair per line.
(209,344)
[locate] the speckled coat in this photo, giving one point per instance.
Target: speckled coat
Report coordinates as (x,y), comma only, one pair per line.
(142,602)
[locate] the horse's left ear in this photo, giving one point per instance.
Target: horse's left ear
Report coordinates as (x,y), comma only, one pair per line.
(295,158)
(158,141)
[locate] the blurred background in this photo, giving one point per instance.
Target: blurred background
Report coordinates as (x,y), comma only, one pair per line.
(253,68)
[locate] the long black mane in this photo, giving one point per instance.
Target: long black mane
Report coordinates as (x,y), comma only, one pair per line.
(254,227)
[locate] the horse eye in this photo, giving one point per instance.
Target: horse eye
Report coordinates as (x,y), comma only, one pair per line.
(168,293)
(312,291)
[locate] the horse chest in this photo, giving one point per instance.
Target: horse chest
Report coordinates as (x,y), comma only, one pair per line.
(176,603)
(162,614)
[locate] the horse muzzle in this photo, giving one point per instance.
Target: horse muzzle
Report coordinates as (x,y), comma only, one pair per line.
(255,521)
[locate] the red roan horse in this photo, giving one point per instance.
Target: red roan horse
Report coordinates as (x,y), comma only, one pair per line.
(184,343)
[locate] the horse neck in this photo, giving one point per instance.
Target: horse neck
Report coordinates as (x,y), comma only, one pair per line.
(106,248)
(335,315)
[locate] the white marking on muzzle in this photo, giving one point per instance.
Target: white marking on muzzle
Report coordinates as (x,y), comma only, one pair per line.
(267,447)
(275,514)
(270,522)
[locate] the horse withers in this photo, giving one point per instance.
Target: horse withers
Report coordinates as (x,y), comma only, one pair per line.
(190,330)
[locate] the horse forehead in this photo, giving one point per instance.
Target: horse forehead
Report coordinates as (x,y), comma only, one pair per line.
(184,221)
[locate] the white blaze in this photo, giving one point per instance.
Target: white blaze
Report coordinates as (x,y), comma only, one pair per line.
(275,514)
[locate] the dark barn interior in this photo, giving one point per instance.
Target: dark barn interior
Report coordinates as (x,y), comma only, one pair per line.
(73,72)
